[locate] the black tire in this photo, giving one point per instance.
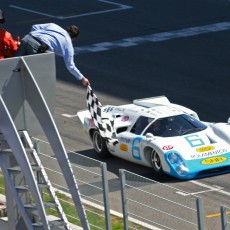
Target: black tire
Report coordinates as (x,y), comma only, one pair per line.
(156,162)
(99,144)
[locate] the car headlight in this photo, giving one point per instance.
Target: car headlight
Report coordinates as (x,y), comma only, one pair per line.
(173,158)
(182,170)
(177,163)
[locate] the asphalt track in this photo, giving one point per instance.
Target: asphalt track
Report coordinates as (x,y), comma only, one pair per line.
(137,49)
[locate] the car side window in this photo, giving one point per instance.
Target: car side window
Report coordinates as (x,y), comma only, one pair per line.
(140,125)
(156,128)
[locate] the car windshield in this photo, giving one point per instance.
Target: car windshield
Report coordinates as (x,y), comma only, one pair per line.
(175,126)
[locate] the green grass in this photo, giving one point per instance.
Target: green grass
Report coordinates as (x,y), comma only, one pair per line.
(95,216)
(2,189)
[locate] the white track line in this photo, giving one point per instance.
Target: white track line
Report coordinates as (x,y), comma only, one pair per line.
(120,7)
(213,188)
(156,37)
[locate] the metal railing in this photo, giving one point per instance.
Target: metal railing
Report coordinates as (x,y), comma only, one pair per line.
(91,176)
(146,204)
(225,223)
(154,205)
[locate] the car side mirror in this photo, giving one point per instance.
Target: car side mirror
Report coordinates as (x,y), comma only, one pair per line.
(229,120)
(149,136)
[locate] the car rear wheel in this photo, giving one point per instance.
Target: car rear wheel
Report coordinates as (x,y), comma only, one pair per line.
(99,144)
(156,162)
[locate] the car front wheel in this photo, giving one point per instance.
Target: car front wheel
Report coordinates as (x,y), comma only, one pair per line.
(99,144)
(156,162)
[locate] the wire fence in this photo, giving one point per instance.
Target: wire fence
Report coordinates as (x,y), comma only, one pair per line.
(146,204)
(158,206)
(91,177)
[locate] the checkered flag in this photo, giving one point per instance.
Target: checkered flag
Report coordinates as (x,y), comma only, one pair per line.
(104,124)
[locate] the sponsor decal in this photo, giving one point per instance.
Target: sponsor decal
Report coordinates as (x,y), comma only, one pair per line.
(132,110)
(205,149)
(213,160)
(210,153)
(167,147)
(88,123)
(125,118)
(108,109)
(125,140)
(124,147)
(91,123)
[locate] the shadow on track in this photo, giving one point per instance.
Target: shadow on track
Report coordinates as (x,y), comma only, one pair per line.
(115,163)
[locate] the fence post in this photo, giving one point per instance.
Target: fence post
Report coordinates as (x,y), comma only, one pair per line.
(123,198)
(199,206)
(106,196)
(224,223)
(37,146)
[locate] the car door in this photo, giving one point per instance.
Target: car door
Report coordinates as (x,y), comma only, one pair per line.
(128,146)
(131,143)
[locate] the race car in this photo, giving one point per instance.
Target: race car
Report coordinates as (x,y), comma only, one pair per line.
(168,137)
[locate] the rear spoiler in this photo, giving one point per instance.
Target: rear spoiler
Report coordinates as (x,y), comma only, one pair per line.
(163,100)
(152,101)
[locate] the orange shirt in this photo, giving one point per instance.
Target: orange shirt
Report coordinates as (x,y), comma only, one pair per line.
(8,47)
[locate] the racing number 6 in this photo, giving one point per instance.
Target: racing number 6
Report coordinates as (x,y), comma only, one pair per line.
(194,140)
(136,152)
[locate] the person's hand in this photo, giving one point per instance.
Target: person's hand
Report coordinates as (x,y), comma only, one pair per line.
(85,81)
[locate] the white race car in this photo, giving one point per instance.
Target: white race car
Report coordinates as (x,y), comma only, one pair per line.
(167,137)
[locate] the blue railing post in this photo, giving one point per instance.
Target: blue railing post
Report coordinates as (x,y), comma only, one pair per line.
(106,196)
(123,198)
(200,219)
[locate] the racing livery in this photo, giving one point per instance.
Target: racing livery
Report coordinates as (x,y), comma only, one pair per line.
(168,137)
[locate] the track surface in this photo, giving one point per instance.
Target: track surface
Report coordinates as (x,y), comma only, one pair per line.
(126,53)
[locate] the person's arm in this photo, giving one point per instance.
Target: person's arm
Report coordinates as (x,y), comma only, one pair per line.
(68,55)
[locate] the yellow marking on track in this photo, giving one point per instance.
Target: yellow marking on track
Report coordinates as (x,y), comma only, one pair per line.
(215,215)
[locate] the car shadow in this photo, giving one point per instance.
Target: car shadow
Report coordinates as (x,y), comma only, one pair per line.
(114,164)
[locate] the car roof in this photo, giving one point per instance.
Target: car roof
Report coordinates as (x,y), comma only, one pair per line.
(153,107)
(163,111)
(158,106)
(155,112)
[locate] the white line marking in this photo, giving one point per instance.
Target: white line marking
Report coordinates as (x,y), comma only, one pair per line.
(157,37)
(32,11)
(210,189)
(115,3)
(68,115)
(183,193)
(214,187)
(120,7)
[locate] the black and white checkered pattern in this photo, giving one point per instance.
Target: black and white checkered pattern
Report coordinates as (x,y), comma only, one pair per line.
(104,124)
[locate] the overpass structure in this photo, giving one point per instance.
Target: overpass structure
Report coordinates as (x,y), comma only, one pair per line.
(27,94)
